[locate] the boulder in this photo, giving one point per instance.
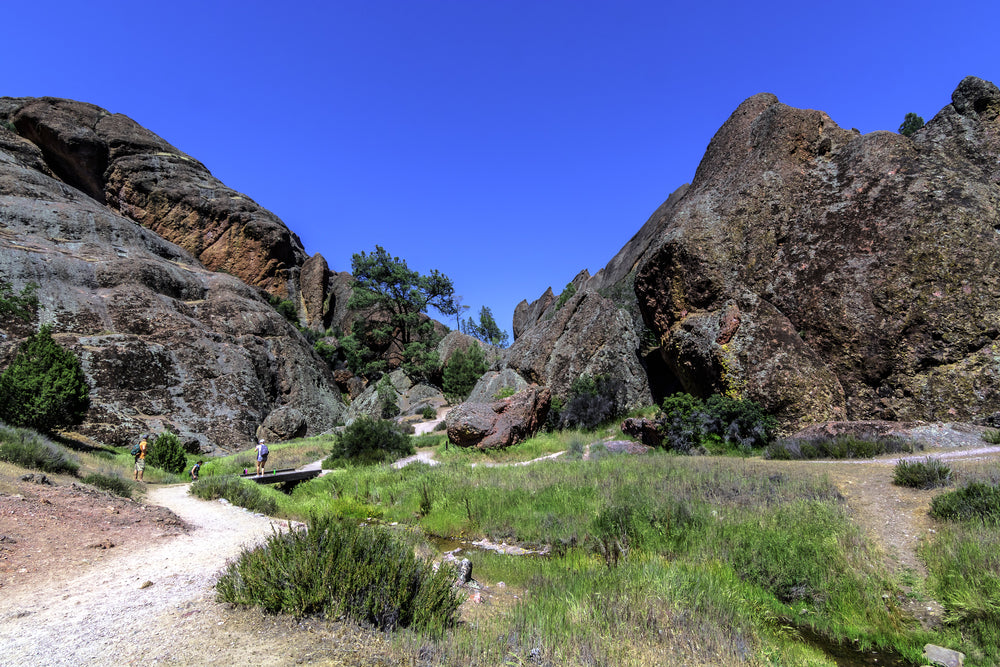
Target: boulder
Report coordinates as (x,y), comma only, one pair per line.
(283,424)
(118,163)
(500,424)
(646,430)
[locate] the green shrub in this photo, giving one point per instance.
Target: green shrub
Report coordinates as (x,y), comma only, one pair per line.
(925,474)
(166,453)
(28,449)
(911,123)
(976,501)
(338,569)
(844,446)
(428,413)
(388,397)
(368,441)
(592,401)
(327,352)
(111,483)
(462,372)
(504,392)
(43,387)
(240,492)
(566,295)
(992,436)
(286,308)
(22,306)
(727,423)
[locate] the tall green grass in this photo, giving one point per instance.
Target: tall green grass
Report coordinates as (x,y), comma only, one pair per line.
(784,545)
(964,564)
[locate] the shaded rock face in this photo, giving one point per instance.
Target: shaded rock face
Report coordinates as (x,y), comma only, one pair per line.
(501,423)
(119,163)
(162,340)
(588,335)
(831,275)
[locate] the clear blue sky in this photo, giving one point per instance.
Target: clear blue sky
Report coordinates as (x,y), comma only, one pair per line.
(507,143)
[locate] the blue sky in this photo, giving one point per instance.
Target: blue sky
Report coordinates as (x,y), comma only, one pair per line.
(507,143)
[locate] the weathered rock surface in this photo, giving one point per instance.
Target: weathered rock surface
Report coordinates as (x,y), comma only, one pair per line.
(826,274)
(588,335)
(410,398)
(117,162)
(862,269)
(162,340)
(283,424)
(499,424)
(492,382)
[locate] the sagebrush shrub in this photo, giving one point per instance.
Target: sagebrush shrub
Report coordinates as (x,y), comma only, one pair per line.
(111,483)
(925,474)
(844,446)
(367,441)
(591,402)
(976,501)
(167,453)
(340,569)
(992,436)
(689,422)
(28,449)
(240,492)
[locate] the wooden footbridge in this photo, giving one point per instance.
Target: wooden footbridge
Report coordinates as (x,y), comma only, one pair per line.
(283,475)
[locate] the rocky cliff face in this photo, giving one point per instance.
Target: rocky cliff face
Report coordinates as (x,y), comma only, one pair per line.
(163,339)
(824,273)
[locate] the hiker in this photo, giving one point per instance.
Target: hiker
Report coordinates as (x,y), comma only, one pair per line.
(261,456)
(139,453)
(195,470)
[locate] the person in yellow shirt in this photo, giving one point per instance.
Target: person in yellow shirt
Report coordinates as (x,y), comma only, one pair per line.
(140,460)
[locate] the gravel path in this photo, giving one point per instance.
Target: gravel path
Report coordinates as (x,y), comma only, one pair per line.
(108,615)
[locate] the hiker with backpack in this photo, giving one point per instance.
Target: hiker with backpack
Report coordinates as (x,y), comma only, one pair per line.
(261,456)
(139,452)
(195,470)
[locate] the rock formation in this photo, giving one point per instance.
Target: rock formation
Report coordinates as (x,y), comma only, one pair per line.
(824,273)
(164,342)
(499,424)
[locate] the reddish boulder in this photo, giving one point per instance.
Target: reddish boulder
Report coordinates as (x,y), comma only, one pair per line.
(502,423)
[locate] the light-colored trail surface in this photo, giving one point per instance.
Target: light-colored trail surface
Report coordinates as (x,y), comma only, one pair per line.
(110,615)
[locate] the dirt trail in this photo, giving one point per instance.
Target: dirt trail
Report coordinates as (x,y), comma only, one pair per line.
(109,614)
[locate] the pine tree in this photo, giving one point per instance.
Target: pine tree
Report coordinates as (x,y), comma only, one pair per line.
(44,387)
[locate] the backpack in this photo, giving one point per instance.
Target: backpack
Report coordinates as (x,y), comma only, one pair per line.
(263,450)
(136,450)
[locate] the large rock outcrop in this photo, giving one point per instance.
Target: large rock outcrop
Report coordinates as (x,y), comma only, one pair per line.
(117,162)
(164,341)
(825,273)
(830,274)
